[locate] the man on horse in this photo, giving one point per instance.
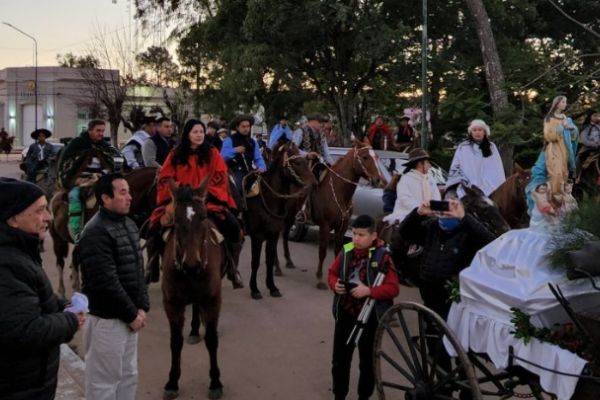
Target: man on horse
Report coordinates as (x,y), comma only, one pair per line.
(404,134)
(156,149)
(280,130)
(241,152)
(40,153)
(132,151)
(3,134)
(85,158)
(379,135)
(590,140)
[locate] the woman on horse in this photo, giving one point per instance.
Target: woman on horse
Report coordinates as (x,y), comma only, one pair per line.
(476,162)
(188,164)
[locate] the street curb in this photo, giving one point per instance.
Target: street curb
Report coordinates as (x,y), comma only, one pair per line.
(71,376)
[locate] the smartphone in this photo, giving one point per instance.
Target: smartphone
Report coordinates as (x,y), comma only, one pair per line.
(348,285)
(436,205)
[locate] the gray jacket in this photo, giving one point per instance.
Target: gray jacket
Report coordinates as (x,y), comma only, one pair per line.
(46,152)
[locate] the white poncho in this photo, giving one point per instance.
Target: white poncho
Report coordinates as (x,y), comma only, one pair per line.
(413,189)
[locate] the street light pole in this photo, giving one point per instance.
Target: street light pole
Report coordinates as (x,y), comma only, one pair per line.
(424,79)
(35,90)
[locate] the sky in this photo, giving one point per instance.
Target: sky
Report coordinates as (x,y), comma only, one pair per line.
(60,26)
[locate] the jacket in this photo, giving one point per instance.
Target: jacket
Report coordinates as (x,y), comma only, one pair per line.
(132,151)
(34,153)
(376,135)
(32,321)
(155,150)
(242,161)
(445,254)
(410,194)
(112,267)
(378,259)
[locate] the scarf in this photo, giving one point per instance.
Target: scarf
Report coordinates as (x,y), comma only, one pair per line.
(424,185)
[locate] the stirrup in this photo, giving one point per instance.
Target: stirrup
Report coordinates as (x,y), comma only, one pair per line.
(300,217)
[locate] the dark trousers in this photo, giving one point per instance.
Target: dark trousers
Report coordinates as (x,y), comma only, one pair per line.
(33,168)
(238,177)
(228,225)
(435,297)
(342,356)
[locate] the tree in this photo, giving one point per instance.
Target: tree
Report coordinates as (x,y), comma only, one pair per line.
(159,61)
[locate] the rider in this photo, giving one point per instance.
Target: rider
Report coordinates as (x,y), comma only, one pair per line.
(211,135)
(85,157)
(39,153)
(281,129)
(156,149)
(404,134)
(188,164)
(476,162)
(379,135)
(590,138)
(312,143)
(132,151)
(240,151)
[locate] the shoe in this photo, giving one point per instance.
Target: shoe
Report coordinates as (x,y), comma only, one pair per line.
(301,217)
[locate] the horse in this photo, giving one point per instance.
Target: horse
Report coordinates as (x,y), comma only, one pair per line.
(331,204)
(587,180)
(143,192)
(267,211)
(6,145)
(192,265)
(511,200)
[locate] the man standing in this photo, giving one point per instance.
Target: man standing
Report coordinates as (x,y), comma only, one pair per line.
(39,153)
(241,152)
(156,149)
(280,130)
(112,270)
(379,135)
(86,157)
(33,322)
(132,151)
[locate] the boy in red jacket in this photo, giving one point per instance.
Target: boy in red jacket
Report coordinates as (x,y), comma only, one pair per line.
(359,263)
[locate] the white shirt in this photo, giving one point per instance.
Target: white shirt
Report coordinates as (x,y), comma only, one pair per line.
(413,189)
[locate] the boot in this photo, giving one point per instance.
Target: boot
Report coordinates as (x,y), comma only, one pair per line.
(234,257)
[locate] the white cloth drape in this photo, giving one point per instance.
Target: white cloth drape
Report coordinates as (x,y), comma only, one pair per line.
(412,190)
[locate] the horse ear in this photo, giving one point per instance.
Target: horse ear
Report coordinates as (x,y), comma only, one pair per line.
(477,191)
(173,187)
(202,190)
(518,168)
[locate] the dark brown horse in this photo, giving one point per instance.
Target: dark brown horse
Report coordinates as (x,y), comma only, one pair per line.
(6,145)
(331,204)
(192,265)
(587,181)
(267,211)
(511,200)
(143,193)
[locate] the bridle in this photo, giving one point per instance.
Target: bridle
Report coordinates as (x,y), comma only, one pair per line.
(355,160)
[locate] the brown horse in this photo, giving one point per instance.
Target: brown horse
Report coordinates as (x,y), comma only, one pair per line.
(6,145)
(143,193)
(192,265)
(511,200)
(267,211)
(331,204)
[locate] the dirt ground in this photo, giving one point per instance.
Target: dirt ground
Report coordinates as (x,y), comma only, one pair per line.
(275,348)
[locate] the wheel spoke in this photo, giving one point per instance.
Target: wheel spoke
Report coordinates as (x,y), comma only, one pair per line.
(435,357)
(423,345)
(402,351)
(447,378)
(398,368)
(410,344)
(396,386)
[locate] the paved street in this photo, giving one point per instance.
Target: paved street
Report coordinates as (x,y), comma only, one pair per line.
(272,348)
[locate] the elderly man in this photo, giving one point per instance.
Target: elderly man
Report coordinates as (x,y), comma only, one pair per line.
(112,269)
(132,151)
(39,153)
(33,322)
(156,149)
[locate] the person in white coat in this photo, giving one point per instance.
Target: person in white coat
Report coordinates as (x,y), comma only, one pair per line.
(476,162)
(415,187)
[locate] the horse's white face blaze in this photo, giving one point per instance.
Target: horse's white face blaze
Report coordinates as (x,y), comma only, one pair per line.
(189,213)
(374,157)
(489,202)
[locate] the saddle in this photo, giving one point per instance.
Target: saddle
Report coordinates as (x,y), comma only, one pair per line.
(251,185)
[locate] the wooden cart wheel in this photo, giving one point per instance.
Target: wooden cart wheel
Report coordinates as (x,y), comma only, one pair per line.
(411,358)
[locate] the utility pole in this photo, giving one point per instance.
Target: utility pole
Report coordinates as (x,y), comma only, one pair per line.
(424,79)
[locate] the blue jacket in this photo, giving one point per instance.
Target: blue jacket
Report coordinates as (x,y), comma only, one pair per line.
(231,156)
(277,133)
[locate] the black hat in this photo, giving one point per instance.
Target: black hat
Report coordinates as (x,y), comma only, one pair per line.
(315,117)
(240,118)
(214,124)
(16,196)
(282,116)
(414,157)
(36,133)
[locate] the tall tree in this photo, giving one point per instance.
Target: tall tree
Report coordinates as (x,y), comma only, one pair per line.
(159,61)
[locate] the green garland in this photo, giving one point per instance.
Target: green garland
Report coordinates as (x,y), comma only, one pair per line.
(453,288)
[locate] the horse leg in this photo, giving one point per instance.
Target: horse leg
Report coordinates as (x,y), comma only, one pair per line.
(211,340)
(271,253)
(324,232)
(176,317)
(61,251)
(286,248)
(194,336)
(278,271)
(257,242)
(75,281)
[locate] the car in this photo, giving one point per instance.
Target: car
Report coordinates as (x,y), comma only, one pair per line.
(367,199)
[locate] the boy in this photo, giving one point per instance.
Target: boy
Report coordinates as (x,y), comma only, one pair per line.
(359,262)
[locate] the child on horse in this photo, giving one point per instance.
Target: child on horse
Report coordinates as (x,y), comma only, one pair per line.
(359,263)
(188,164)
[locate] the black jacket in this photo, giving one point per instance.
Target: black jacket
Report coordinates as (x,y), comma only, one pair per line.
(445,253)
(32,324)
(112,267)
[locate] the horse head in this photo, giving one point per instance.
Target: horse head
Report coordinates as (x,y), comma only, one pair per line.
(484,210)
(523,177)
(365,163)
(191,229)
(286,159)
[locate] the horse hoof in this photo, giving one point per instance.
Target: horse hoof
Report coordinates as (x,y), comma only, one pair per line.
(276,293)
(277,272)
(170,394)
(290,265)
(322,286)
(215,394)
(256,296)
(193,339)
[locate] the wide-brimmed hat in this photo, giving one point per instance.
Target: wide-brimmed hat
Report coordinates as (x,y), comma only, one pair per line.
(316,116)
(414,157)
(36,133)
(241,118)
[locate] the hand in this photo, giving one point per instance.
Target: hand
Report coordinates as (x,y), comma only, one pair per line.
(259,170)
(339,288)
(240,149)
(142,313)
(78,181)
(138,323)
(80,320)
(312,155)
(361,291)
(456,210)
(424,209)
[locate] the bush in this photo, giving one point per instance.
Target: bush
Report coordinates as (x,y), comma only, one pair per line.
(443,157)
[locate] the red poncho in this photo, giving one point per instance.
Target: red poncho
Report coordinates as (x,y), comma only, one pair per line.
(192,174)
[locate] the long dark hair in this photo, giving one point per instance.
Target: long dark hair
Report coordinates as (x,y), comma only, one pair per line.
(183,151)
(588,119)
(485,145)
